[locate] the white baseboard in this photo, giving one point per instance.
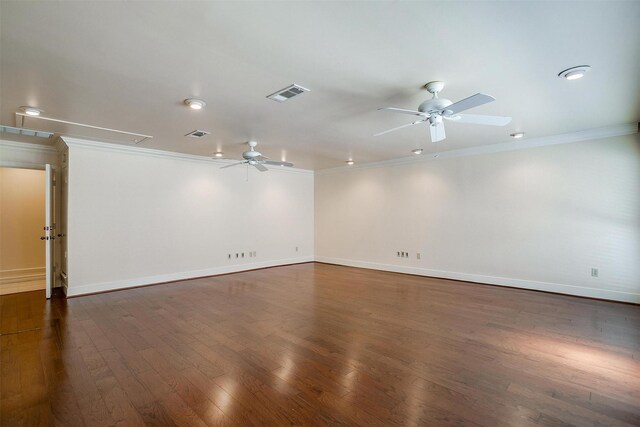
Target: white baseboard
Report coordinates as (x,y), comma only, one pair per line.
(23,286)
(22,275)
(72,291)
(491,280)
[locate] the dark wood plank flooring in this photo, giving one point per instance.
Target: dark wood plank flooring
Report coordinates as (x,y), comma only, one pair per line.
(316,344)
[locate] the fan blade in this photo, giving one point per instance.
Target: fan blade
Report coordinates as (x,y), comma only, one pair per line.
(261,158)
(274,163)
(467,103)
(233,164)
(260,166)
(437,132)
(403,111)
(400,127)
(480,119)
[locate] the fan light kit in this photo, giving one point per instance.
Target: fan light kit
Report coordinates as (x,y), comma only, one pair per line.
(350,162)
(517,135)
(435,109)
(574,73)
(256,159)
(32,111)
(417,151)
(195,104)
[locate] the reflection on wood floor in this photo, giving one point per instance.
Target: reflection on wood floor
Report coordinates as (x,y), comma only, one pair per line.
(316,344)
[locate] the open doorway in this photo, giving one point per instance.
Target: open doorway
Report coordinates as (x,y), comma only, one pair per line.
(23,251)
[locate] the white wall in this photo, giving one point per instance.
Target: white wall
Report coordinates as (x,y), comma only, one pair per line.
(537,218)
(144,217)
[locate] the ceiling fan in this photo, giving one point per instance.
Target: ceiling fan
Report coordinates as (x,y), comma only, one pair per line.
(256,159)
(435,109)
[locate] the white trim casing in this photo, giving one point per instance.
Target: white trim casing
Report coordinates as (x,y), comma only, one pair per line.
(491,280)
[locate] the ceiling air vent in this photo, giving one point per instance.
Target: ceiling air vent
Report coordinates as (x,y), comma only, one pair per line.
(287,93)
(198,133)
(27,132)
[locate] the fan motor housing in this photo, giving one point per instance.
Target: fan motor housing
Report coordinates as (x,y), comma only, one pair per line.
(433,105)
(251,154)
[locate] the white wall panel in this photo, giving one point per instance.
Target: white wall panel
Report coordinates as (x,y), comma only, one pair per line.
(137,219)
(536,218)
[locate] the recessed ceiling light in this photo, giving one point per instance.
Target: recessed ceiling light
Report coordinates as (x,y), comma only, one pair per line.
(574,73)
(218,154)
(517,135)
(195,104)
(350,162)
(417,151)
(32,111)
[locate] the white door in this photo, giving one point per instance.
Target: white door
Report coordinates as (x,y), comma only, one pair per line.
(49,227)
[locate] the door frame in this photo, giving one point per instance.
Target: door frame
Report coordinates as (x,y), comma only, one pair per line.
(50,227)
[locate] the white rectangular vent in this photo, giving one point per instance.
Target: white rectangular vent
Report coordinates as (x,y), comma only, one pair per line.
(288,93)
(27,132)
(198,133)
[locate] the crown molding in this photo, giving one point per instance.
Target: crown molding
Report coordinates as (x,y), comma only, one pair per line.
(60,145)
(26,146)
(585,135)
(151,152)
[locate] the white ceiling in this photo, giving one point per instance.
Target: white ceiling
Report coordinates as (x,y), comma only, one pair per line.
(129,65)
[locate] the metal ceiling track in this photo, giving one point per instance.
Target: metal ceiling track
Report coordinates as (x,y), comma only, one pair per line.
(138,137)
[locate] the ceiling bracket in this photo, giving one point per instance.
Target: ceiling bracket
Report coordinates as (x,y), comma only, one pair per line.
(138,137)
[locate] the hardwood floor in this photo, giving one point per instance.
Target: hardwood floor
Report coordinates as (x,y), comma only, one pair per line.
(316,344)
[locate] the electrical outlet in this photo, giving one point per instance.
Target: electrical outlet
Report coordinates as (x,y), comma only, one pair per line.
(594,272)
(229,256)
(296,249)
(418,255)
